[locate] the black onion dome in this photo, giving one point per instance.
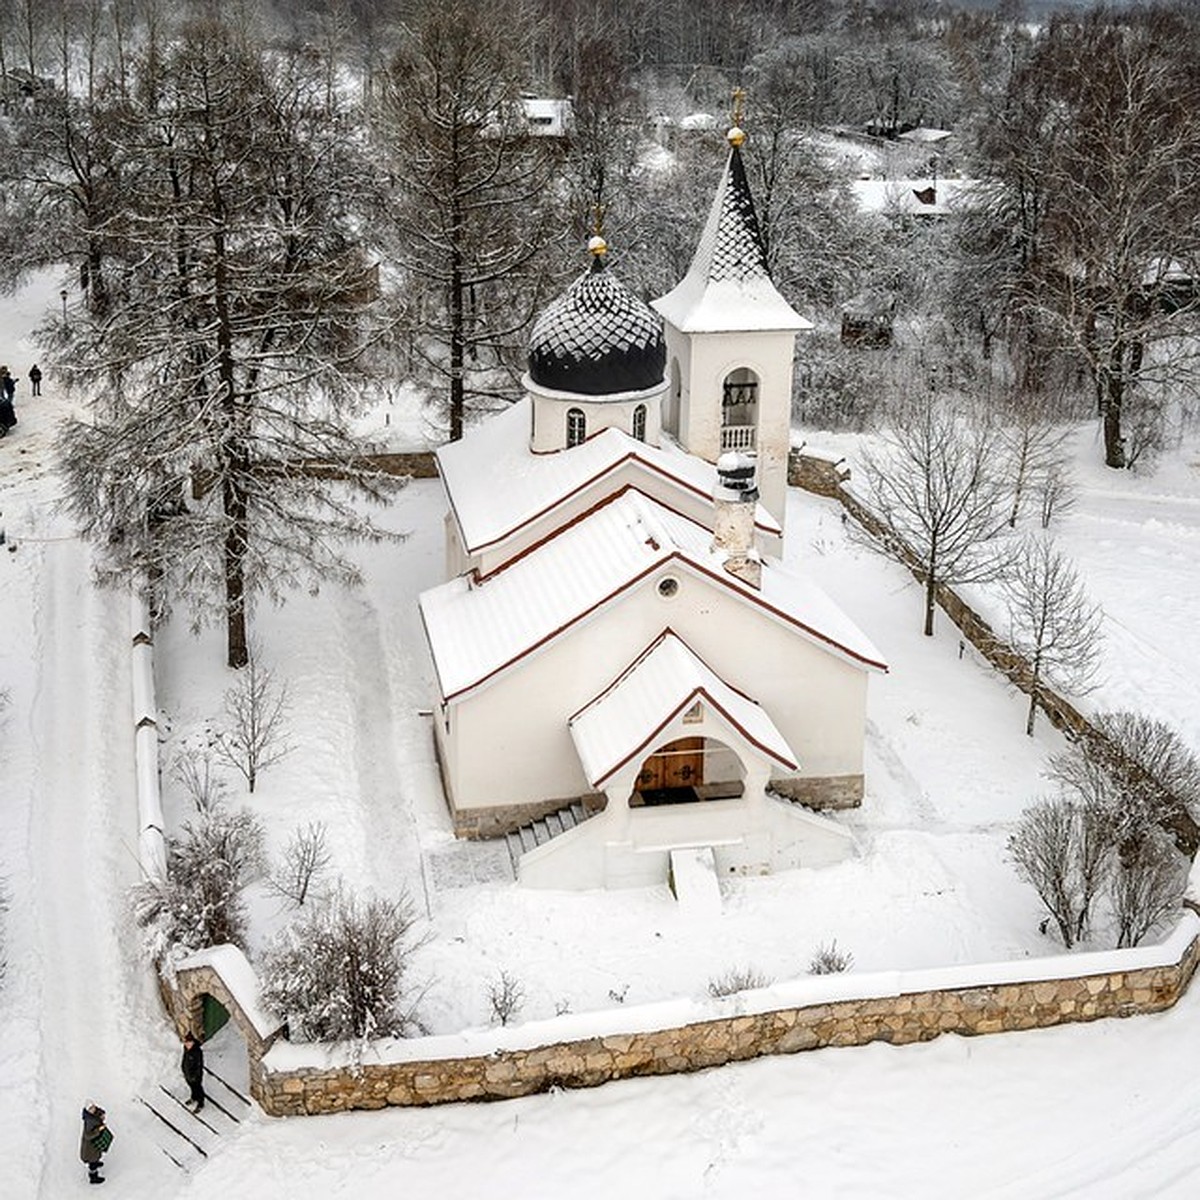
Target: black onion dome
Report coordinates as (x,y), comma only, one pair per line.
(597,339)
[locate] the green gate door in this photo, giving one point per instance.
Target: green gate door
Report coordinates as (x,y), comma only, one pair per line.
(215,1015)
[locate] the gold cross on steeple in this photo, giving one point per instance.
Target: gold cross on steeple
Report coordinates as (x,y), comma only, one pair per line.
(739,99)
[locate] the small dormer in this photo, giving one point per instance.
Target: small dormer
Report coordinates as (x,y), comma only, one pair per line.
(596,359)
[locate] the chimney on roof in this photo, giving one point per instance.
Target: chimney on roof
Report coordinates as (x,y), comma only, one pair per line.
(735,499)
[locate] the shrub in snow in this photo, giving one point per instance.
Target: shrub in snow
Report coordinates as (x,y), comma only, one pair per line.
(829,960)
(256,719)
(193,768)
(208,865)
(305,857)
(738,979)
(506,994)
(1140,773)
(1145,886)
(1062,849)
(339,973)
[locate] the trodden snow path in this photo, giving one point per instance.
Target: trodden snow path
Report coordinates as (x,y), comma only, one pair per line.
(71,715)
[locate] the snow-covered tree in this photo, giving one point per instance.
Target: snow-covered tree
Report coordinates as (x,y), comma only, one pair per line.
(472,203)
(1146,886)
(1062,848)
(340,973)
(230,355)
(1052,624)
(1093,191)
(1139,771)
(937,485)
(209,864)
(254,734)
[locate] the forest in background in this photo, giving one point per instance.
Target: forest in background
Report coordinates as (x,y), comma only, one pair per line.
(273,216)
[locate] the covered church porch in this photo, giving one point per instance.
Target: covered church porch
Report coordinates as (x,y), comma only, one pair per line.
(684,761)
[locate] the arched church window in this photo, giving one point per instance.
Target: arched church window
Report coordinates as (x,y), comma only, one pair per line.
(576,427)
(639,422)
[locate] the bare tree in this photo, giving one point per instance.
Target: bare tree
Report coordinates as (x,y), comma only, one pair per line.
(938,487)
(1062,849)
(340,973)
(304,859)
(1035,440)
(1095,176)
(1141,773)
(1145,887)
(256,711)
(506,995)
(193,768)
(1052,625)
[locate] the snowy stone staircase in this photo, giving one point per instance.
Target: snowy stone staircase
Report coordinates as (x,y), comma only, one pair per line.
(539,832)
(188,1138)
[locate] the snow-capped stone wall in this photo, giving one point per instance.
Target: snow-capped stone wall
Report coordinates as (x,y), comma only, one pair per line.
(893,1007)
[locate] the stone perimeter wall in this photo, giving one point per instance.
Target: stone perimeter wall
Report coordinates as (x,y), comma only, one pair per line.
(897,1019)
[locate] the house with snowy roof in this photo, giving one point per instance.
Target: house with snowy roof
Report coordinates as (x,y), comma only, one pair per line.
(624,666)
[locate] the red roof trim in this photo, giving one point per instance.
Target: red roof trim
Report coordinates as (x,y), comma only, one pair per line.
(726,581)
(631,455)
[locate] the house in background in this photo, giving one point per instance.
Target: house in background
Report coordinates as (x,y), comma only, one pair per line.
(624,666)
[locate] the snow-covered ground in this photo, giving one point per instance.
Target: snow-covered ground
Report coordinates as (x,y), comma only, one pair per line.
(1108,1110)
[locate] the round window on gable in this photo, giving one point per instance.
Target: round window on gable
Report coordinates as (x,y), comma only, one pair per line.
(668,586)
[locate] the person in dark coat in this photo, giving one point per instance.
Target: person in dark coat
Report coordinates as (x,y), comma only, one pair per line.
(35,379)
(8,415)
(95,1140)
(192,1065)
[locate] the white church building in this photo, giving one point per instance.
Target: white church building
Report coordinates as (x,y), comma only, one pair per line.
(624,666)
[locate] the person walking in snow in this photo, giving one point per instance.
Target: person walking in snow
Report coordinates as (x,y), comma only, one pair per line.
(96,1139)
(192,1065)
(35,379)
(8,414)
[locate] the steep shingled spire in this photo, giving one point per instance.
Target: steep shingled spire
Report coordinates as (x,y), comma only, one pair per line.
(728,286)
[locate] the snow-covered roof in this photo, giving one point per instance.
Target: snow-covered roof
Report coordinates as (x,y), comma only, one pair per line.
(496,485)
(922,197)
(597,339)
(627,718)
(477,629)
(727,288)
(234,968)
(925,136)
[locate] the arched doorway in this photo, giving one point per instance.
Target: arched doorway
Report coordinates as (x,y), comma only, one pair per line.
(688,770)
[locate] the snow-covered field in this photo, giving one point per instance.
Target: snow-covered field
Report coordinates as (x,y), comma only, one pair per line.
(1108,1110)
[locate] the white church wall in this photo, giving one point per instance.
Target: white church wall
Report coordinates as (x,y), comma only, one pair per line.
(705,362)
(521,750)
(550,416)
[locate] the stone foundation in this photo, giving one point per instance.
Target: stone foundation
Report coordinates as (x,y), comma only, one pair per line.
(827,792)
(913,1016)
(477,823)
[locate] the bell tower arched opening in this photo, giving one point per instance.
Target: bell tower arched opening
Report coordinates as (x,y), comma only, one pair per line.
(739,411)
